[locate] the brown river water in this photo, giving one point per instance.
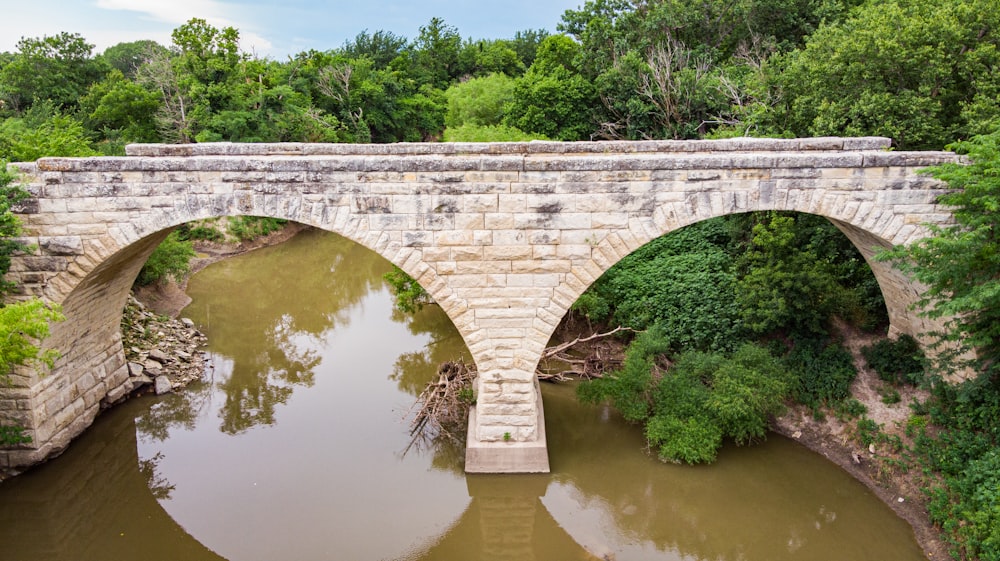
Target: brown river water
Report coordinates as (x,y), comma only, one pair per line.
(296,447)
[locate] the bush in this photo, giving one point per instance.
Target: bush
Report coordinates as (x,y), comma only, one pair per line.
(170,259)
(897,362)
(701,399)
(693,440)
(200,230)
(824,371)
(410,296)
(249,228)
(488,133)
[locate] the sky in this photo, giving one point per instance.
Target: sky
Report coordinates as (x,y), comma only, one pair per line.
(271,28)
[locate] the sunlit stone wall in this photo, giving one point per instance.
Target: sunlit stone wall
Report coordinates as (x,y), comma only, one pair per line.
(504,236)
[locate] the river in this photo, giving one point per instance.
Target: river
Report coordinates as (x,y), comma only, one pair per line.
(296,447)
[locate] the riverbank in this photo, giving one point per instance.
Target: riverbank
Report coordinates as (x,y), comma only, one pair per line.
(878,466)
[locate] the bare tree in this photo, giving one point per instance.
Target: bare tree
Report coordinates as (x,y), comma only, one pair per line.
(158,73)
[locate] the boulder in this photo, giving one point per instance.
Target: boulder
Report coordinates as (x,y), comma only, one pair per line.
(135,369)
(158,356)
(163,385)
(141,380)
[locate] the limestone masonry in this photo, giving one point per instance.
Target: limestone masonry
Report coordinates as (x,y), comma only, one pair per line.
(504,236)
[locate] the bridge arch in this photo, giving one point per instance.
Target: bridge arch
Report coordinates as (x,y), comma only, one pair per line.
(505,237)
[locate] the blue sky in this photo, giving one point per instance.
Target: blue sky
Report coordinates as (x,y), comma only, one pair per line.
(274,28)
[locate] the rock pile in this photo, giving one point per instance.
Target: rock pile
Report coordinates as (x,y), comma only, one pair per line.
(162,353)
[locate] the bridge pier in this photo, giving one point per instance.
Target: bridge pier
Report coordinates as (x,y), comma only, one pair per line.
(526,453)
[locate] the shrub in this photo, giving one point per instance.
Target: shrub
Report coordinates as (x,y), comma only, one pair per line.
(867,431)
(249,228)
(896,361)
(201,230)
(170,259)
(410,296)
(824,371)
(701,399)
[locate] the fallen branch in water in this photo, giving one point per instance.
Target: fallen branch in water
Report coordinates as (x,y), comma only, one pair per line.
(441,411)
(591,366)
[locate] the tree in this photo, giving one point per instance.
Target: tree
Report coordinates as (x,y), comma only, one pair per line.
(59,68)
(128,57)
(381,47)
(479,101)
(553,98)
(435,54)
(42,131)
(170,260)
(785,285)
(688,408)
(960,264)
(921,72)
(121,109)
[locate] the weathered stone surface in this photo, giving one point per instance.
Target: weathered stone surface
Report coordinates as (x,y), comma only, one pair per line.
(159,356)
(162,385)
(504,236)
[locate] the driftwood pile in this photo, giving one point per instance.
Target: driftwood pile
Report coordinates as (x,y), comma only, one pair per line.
(441,411)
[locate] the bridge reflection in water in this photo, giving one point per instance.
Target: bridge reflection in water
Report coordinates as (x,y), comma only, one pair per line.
(99,502)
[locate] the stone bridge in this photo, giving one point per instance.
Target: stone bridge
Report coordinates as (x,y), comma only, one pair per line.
(505,237)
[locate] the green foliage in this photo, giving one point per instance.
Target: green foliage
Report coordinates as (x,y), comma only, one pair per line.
(127,57)
(867,431)
(478,101)
(823,370)
(890,396)
(121,109)
(692,440)
(489,133)
(434,57)
(786,286)
(200,230)
(849,408)
(170,259)
(896,361)
(11,193)
(920,72)
(748,389)
(968,509)
(960,264)
(410,296)
(23,325)
(42,131)
(249,228)
(13,436)
(703,398)
(552,98)
(57,69)
(684,281)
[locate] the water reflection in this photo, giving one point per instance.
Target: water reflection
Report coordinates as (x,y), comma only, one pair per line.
(263,350)
(323,477)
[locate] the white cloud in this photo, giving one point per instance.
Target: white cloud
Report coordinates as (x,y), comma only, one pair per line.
(170,11)
(177,12)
